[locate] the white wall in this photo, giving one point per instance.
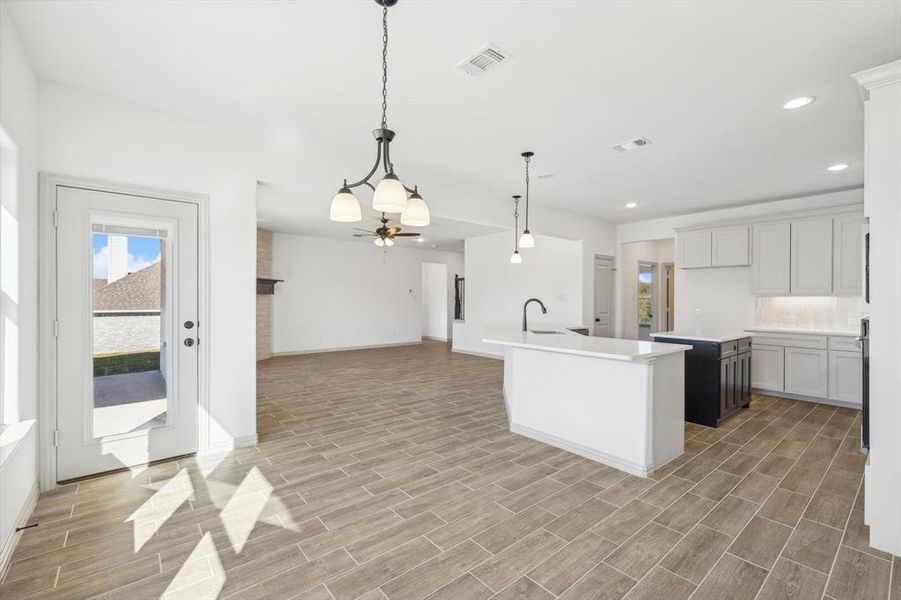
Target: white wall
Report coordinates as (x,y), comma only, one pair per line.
(434,302)
(723,295)
(657,252)
(883,181)
(496,289)
(339,294)
(18,346)
(83,134)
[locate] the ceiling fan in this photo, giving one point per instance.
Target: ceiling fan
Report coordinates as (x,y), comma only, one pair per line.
(384,235)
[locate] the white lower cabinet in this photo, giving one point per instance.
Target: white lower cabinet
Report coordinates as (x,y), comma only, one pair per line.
(845,376)
(806,372)
(768,367)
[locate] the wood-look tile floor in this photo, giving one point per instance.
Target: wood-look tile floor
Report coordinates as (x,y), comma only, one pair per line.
(390,473)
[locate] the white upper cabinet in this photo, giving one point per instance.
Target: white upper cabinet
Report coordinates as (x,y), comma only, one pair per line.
(811,257)
(695,249)
(730,247)
(847,259)
(771,258)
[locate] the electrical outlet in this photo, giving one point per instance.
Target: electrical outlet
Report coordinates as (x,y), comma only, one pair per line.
(697,312)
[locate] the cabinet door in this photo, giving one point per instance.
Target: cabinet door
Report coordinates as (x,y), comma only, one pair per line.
(811,252)
(806,372)
(725,386)
(845,376)
(730,247)
(768,368)
(847,255)
(771,259)
(744,384)
(694,249)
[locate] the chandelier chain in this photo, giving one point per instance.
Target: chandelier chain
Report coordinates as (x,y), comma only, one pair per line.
(528,158)
(384,66)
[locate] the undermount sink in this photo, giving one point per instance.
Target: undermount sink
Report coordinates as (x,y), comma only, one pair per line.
(545,331)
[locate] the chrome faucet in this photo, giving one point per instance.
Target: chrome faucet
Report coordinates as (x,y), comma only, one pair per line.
(525,324)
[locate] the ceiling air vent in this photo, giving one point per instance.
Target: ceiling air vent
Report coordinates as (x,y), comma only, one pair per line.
(632,144)
(488,58)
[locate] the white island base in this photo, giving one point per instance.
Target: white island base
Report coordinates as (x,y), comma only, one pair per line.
(618,402)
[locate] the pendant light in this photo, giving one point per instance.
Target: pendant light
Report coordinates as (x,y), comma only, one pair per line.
(390,195)
(527,240)
(516,258)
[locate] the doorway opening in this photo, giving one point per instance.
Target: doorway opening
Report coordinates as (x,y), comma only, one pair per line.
(647,300)
(434,302)
(669,296)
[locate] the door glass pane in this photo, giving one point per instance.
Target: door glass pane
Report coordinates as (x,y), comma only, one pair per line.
(645,301)
(129,335)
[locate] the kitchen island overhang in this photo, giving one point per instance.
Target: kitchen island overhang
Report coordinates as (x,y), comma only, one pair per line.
(618,402)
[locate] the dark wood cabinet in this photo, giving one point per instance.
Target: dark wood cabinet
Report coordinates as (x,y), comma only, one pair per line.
(717,379)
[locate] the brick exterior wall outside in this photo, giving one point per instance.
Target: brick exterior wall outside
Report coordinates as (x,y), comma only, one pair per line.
(264,303)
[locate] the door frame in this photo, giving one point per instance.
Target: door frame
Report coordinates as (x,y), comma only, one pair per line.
(47,350)
(655,295)
(664,300)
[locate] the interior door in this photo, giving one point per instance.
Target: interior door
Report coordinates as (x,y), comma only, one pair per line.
(670,297)
(127,305)
(603,296)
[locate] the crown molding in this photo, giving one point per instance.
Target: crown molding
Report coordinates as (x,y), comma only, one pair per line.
(877,77)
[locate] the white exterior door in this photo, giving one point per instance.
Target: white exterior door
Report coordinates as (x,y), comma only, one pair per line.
(127,305)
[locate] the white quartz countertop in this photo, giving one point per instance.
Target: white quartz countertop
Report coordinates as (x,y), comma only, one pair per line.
(808,331)
(568,342)
(702,335)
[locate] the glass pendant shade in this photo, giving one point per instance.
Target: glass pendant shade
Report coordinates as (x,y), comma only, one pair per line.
(526,240)
(379,242)
(516,258)
(416,213)
(389,242)
(390,195)
(345,207)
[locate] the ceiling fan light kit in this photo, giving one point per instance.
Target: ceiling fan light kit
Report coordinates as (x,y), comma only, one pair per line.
(390,195)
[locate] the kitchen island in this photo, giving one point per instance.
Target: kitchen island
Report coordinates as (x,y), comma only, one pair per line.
(618,402)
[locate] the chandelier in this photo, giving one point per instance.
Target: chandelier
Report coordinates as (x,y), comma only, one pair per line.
(390,195)
(527,240)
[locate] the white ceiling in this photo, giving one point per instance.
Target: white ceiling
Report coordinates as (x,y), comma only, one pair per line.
(277,210)
(704,81)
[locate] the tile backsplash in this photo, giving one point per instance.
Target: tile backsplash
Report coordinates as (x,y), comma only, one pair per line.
(803,312)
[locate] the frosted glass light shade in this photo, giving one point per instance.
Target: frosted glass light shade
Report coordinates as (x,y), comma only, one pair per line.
(516,258)
(526,240)
(390,195)
(417,212)
(389,242)
(379,242)
(345,207)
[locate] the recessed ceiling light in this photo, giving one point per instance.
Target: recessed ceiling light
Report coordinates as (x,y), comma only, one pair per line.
(546,176)
(420,239)
(798,102)
(838,167)
(631,204)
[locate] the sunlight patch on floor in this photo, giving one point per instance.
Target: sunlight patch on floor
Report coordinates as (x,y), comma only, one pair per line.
(203,561)
(157,509)
(241,514)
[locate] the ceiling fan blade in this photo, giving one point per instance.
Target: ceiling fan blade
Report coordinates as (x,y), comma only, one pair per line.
(365,235)
(406,235)
(366,230)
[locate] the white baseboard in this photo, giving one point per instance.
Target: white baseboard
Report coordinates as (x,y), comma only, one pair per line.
(479,354)
(813,399)
(6,552)
(595,455)
(436,339)
(246,441)
(344,349)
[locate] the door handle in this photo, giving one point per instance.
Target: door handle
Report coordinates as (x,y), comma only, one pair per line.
(189,342)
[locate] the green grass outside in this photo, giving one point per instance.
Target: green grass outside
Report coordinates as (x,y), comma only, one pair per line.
(126,362)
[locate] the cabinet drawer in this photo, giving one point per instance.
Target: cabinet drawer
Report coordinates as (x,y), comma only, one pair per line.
(849,344)
(793,340)
(728,348)
(744,344)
